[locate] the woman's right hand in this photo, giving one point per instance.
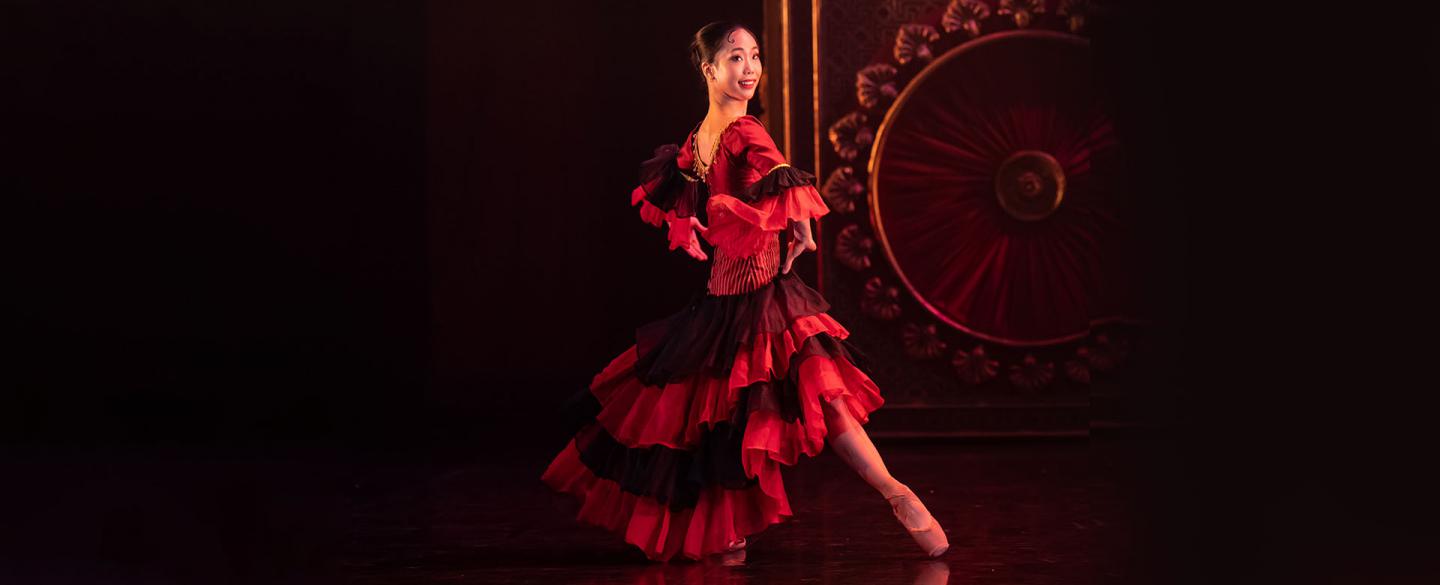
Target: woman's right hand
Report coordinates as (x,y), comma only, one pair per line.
(800,242)
(682,235)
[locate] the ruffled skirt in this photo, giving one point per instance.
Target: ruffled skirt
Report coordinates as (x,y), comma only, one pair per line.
(679,441)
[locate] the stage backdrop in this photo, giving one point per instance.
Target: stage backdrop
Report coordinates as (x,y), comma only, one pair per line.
(997,245)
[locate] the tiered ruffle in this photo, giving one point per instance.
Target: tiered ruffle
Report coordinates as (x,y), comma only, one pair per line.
(688,461)
(719,516)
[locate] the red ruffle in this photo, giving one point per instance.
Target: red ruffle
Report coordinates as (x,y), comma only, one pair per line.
(770,440)
(676,416)
(739,228)
(718,518)
(651,214)
(767,357)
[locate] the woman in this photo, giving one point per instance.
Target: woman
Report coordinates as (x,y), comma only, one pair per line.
(680,439)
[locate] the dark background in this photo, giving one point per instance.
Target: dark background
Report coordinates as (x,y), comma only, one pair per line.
(335,231)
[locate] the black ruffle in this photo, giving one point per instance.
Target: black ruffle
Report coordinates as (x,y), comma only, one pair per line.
(676,477)
(706,335)
(673,191)
(662,164)
(673,477)
(776,181)
(824,344)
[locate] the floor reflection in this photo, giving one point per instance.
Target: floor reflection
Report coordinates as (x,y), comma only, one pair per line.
(1014,513)
(729,572)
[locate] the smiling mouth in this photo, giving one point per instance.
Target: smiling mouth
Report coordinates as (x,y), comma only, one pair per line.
(748,83)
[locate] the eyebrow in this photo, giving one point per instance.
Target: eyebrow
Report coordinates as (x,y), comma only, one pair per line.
(740,49)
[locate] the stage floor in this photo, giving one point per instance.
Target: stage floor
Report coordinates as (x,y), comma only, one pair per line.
(1075,511)
(1032,512)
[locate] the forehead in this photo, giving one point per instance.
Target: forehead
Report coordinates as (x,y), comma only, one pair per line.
(738,39)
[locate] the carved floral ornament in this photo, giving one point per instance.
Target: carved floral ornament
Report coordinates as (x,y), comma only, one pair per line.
(842,190)
(965,15)
(1031,187)
(913,43)
(852,248)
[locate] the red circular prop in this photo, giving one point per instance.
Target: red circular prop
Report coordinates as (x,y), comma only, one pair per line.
(994,191)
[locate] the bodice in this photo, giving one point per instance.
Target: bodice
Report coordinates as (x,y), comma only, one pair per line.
(747,196)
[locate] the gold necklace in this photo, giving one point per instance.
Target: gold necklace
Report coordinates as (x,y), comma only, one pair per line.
(701,167)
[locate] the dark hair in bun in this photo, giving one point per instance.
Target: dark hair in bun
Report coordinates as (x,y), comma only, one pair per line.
(709,39)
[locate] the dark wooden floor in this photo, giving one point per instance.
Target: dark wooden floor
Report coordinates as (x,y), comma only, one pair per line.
(1015,513)
(1103,510)
(1044,512)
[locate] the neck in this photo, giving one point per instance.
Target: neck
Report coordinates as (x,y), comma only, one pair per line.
(723,109)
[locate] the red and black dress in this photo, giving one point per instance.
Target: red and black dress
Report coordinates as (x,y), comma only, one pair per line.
(680,439)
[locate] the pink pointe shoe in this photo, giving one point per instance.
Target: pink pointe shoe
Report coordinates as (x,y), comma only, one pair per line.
(734,554)
(911,513)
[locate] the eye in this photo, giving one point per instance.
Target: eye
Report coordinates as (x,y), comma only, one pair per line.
(735,57)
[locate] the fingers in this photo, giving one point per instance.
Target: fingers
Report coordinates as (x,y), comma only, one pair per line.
(798,245)
(793,253)
(695,223)
(691,247)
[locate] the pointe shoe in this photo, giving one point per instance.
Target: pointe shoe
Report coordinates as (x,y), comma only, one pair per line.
(922,525)
(734,555)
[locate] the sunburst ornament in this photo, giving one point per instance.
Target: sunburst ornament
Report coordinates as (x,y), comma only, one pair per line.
(922,342)
(880,300)
(1107,354)
(851,135)
(993,191)
(1031,374)
(1024,11)
(965,15)
(912,42)
(842,190)
(853,247)
(974,367)
(875,85)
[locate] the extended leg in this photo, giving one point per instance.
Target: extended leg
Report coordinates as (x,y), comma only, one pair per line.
(853,446)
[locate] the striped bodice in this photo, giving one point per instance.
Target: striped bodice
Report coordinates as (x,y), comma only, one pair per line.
(730,275)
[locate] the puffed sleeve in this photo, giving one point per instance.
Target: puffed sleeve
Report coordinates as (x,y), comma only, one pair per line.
(665,191)
(782,194)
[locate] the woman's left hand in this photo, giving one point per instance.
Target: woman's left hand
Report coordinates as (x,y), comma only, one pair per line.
(800,242)
(682,236)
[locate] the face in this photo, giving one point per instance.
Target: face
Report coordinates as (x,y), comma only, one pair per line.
(736,69)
